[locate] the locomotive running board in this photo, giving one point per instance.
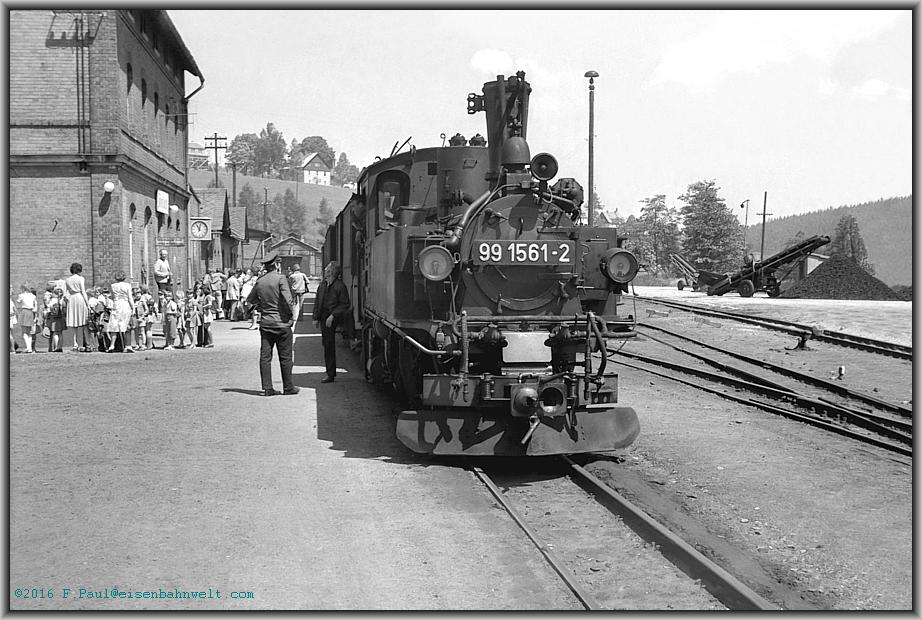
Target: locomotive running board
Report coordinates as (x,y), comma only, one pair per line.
(454,432)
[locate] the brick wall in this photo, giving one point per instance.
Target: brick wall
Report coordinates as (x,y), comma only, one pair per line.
(50,226)
(59,213)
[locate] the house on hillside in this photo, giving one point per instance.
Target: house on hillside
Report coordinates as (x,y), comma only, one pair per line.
(198,157)
(217,231)
(293,249)
(315,170)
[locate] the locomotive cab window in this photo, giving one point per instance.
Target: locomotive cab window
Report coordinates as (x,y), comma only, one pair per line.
(392,192)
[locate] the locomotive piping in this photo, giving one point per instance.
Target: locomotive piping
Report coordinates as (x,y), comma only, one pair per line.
(411,340)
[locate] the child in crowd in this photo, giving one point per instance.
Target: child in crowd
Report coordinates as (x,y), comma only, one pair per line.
(141,314)
(170,311)
(56,320)
(28,316)
(180,319)
(148,300)
(208,313)
(191,318)
(14,346)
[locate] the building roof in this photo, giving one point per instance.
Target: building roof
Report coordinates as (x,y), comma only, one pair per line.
(237,222)
(212,203)
(314,158)
(292,240)
(167,23)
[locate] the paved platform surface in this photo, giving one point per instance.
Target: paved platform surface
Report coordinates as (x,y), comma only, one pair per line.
(167,472)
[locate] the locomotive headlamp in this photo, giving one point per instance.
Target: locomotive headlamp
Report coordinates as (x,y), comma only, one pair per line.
(436,262)
(544,166)
(619,265)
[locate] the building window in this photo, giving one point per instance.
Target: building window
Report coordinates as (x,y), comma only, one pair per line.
(129,78)
(166,116)
(143,93)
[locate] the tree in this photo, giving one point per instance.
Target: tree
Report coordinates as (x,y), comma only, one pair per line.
(847,242)
(270,150)
(293,213)
(344,172)
(712,239)
(325,217)
(660,226)
(242,151)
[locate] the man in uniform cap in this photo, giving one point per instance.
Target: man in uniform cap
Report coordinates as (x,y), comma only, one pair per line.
(273,298)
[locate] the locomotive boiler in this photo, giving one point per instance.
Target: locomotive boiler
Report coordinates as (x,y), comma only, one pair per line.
(481,298)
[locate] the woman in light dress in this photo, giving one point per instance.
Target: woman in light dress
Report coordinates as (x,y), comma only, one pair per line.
(77,306)
(249,279)
(121,312)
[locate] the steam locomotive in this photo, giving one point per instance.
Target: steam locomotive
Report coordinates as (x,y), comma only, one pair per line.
(480,297)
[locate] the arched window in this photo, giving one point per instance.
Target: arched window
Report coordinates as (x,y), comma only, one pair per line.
(147,215)
(143,93)
(177,224)
(156,103)
(131,211)
(129,78)
(166,116)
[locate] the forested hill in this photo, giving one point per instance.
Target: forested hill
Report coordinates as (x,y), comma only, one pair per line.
(308,194)
(885,225)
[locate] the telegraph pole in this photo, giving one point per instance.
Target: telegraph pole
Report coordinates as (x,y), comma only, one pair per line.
(763,214)
(216,147)
(591,75)
(745,203)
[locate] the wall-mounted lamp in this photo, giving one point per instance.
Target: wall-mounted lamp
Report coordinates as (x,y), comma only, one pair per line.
(174,208)
(109,187)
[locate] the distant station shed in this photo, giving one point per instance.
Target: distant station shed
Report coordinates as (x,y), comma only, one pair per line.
(293,250)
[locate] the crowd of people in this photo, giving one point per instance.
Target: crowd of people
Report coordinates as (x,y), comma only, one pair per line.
(120,318)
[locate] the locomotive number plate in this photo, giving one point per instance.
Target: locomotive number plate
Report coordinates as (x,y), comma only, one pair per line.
(508,252)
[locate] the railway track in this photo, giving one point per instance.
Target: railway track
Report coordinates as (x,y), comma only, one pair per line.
(888,434)
(831,386)
(872,345)
(723,586)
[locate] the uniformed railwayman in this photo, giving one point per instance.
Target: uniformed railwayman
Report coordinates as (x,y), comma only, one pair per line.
(273,298)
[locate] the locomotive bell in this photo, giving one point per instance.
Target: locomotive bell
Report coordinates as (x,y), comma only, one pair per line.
(544,166)
(515,152)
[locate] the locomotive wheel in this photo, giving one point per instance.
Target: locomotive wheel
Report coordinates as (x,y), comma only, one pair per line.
(746,288)
(774,291)
(680,284)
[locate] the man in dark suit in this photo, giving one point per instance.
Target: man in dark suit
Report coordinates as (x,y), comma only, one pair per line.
(272,297)
(331,307)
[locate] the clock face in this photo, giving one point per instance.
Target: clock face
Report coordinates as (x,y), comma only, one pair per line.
(199,229)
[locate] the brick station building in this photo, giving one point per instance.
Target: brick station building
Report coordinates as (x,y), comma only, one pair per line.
(98,144)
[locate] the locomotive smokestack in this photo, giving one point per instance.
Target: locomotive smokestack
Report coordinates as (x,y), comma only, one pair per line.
(506,103)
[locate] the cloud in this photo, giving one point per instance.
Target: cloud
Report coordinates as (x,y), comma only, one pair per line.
(493,62)
(746,41)
(872,90)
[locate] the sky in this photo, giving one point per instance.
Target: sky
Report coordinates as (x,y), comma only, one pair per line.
(813,108)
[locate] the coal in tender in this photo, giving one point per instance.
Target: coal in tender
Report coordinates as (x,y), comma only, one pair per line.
(841,278)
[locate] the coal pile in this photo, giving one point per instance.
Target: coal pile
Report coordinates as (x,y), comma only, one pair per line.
(841,278)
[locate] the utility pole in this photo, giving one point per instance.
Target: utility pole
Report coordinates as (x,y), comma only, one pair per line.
(762,247)
(745,203)
(591,75)
(216,147)
(265,229)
